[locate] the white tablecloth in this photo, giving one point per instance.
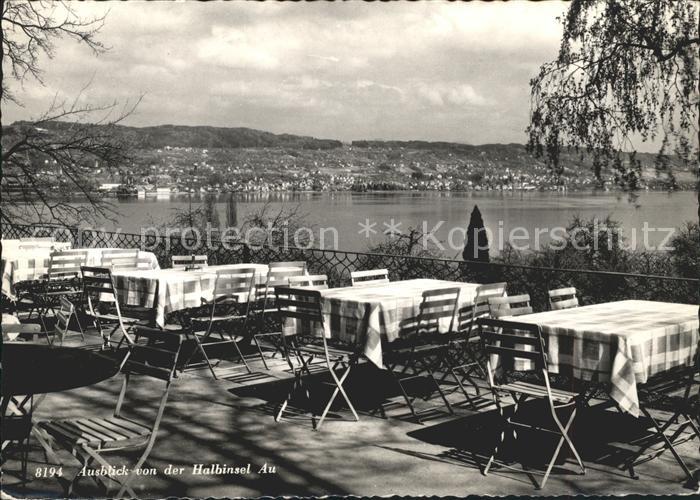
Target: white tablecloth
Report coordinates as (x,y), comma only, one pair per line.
(363,315)
(168,290)
(622,342)
(22,264)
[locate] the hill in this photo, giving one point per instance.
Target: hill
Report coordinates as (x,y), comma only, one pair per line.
(199,137)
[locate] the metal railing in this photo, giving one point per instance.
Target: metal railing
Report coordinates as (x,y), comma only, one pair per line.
(593,286)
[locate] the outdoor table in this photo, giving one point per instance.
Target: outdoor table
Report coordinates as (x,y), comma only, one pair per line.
(26,264)
(29,369)
(169,290)
(36,369)
(623,343)
(363,315)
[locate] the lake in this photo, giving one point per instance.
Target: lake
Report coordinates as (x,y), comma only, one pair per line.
(355,221)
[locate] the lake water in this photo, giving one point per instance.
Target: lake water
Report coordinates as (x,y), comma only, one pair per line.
(340,217)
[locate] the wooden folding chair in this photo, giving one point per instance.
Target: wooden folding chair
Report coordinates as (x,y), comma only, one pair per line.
(507,342)
(63,316)
(10,332)
(91,440)
(677,394)
(562,298)
(264,309)
(187,262)
(123,259)
(102,306)
(288,264)
(423,350)
(304,306)
(515,305)
(465,348)
(62,280)
(233,293)
(369,277)
(317,281)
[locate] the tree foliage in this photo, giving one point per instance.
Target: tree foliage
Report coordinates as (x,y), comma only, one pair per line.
(627,71)
(55,154)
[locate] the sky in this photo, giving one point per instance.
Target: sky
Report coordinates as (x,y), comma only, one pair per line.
(404,71)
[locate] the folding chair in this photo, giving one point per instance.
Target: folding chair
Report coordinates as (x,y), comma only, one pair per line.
(676,393)
(10,332)
(187,262)
(102,305)
(63,316)
(465,348)
(62,280)
(562,298)
(153,355)
(506,344)
(232,289)
(288,264)
(304,306)
(416,356)
(317,281)
(121,259)
(370,277)
(515,305)
(264,308)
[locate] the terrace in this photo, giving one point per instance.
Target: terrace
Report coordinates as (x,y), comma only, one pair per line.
(229,420)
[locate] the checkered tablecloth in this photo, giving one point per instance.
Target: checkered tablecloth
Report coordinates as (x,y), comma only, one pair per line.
(25,264)
(94,257)
(363,315)
(623,342)
(168,290)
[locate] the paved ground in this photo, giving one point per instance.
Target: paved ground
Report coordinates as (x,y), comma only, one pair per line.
(230,422)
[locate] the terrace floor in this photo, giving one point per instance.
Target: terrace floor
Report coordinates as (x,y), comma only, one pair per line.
(229,421)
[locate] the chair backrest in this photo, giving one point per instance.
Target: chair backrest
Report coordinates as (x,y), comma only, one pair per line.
(235,282)
(154,354)
(563,298)
(64,265)
(49,239)
(63,315)
(277,276)
(369,276)
(515,305)
(291,263)
(480,308)
(13,330)
(122,259)
(299,303)
(98,286)
(189,261)
(438,306)
(317,281)
(512,341)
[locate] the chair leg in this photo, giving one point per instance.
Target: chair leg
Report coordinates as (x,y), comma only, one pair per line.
(338,389)
(428,369)
(262,357)
(200,347)
(240,354)
(296,385)
(669,444)
(564,438)
(505,424)
(409,401)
